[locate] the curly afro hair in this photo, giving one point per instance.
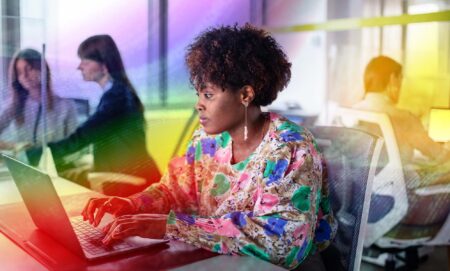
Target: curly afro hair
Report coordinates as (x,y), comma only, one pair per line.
(232,57)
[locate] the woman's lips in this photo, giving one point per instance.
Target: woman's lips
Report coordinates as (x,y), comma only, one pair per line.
(203,120)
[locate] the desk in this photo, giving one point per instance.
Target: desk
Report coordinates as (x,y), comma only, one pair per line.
(10,194)
(173,255)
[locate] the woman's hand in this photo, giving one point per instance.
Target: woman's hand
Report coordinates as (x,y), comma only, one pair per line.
(14,146)
(143,225)
(96,208)
(21,146)
(6,145)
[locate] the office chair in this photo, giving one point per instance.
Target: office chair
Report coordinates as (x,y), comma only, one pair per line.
(84,155)
(82,108)
(351,157)
(389,203)
(389,196)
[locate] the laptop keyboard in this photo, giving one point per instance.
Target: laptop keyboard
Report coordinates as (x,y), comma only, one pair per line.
(91,238)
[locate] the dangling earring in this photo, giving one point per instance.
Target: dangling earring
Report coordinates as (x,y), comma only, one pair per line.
(245,125)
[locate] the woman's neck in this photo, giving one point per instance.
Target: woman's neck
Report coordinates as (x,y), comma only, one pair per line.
(257,126)
(35,94)
(104,81)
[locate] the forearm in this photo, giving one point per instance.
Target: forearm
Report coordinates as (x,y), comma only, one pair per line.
(6,145)
(152,200)
(275,238)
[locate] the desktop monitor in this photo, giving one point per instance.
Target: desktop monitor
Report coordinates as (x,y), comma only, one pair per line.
(439,124)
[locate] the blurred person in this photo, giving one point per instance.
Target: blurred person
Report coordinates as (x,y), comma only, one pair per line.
(382,82)
(117,128)
(250,183)
(21,122)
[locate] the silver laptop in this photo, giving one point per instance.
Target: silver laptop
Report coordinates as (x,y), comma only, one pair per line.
(48,214)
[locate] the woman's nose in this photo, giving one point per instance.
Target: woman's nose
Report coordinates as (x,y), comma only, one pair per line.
(199,106)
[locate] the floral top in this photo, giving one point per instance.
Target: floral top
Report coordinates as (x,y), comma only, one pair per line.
(273,205)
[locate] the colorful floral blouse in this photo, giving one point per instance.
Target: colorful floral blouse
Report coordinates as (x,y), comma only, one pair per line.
(273,205)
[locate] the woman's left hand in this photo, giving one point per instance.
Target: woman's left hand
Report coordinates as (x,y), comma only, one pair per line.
(143,225)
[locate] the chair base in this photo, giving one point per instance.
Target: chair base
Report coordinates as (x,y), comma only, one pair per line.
(396,258)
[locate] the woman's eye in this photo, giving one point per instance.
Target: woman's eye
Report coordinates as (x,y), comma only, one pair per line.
(208,95)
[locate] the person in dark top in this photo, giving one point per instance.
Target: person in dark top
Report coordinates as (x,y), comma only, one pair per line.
(117,128)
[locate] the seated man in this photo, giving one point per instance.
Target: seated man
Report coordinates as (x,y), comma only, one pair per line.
(382,82)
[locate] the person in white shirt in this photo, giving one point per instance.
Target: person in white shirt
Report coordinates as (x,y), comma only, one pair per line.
(21,120)
(382,82)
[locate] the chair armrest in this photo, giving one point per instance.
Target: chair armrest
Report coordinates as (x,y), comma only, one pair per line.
(432,190)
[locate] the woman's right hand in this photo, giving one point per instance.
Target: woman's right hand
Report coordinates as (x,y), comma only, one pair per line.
(6,145)
(96,208)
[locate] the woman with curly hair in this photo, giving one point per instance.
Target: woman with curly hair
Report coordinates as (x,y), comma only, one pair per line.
(250,183)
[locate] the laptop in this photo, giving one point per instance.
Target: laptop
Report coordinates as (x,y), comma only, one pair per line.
(438,126)
(48,214)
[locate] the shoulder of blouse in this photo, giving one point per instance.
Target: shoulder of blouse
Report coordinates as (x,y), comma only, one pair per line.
(289,134)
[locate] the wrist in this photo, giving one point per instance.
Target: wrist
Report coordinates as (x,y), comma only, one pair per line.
(133,204)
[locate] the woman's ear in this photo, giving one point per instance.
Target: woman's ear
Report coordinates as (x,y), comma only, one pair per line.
(105,69)
(247,94)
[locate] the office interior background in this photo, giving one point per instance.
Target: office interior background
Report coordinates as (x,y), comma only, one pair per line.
(328,42)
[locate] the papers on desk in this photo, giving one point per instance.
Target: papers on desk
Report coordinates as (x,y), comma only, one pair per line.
(47,163)
(4,173)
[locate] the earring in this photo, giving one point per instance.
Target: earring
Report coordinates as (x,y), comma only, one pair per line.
(245,125)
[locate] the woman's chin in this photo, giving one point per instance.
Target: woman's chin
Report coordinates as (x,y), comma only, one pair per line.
(207,130)
(210,131)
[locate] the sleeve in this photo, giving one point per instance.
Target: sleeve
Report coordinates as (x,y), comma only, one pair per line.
(281,227)
(93,129)
(6,117)
(177,189)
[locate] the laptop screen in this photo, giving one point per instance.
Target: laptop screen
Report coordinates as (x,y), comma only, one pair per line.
(439,124)
(43,203)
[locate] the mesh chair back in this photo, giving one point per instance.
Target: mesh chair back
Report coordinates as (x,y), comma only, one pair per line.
(351,157)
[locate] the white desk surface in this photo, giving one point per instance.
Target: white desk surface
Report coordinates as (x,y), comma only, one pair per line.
(225,262)
(10,194)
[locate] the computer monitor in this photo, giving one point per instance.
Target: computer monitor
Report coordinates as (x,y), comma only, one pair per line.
(439,124)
